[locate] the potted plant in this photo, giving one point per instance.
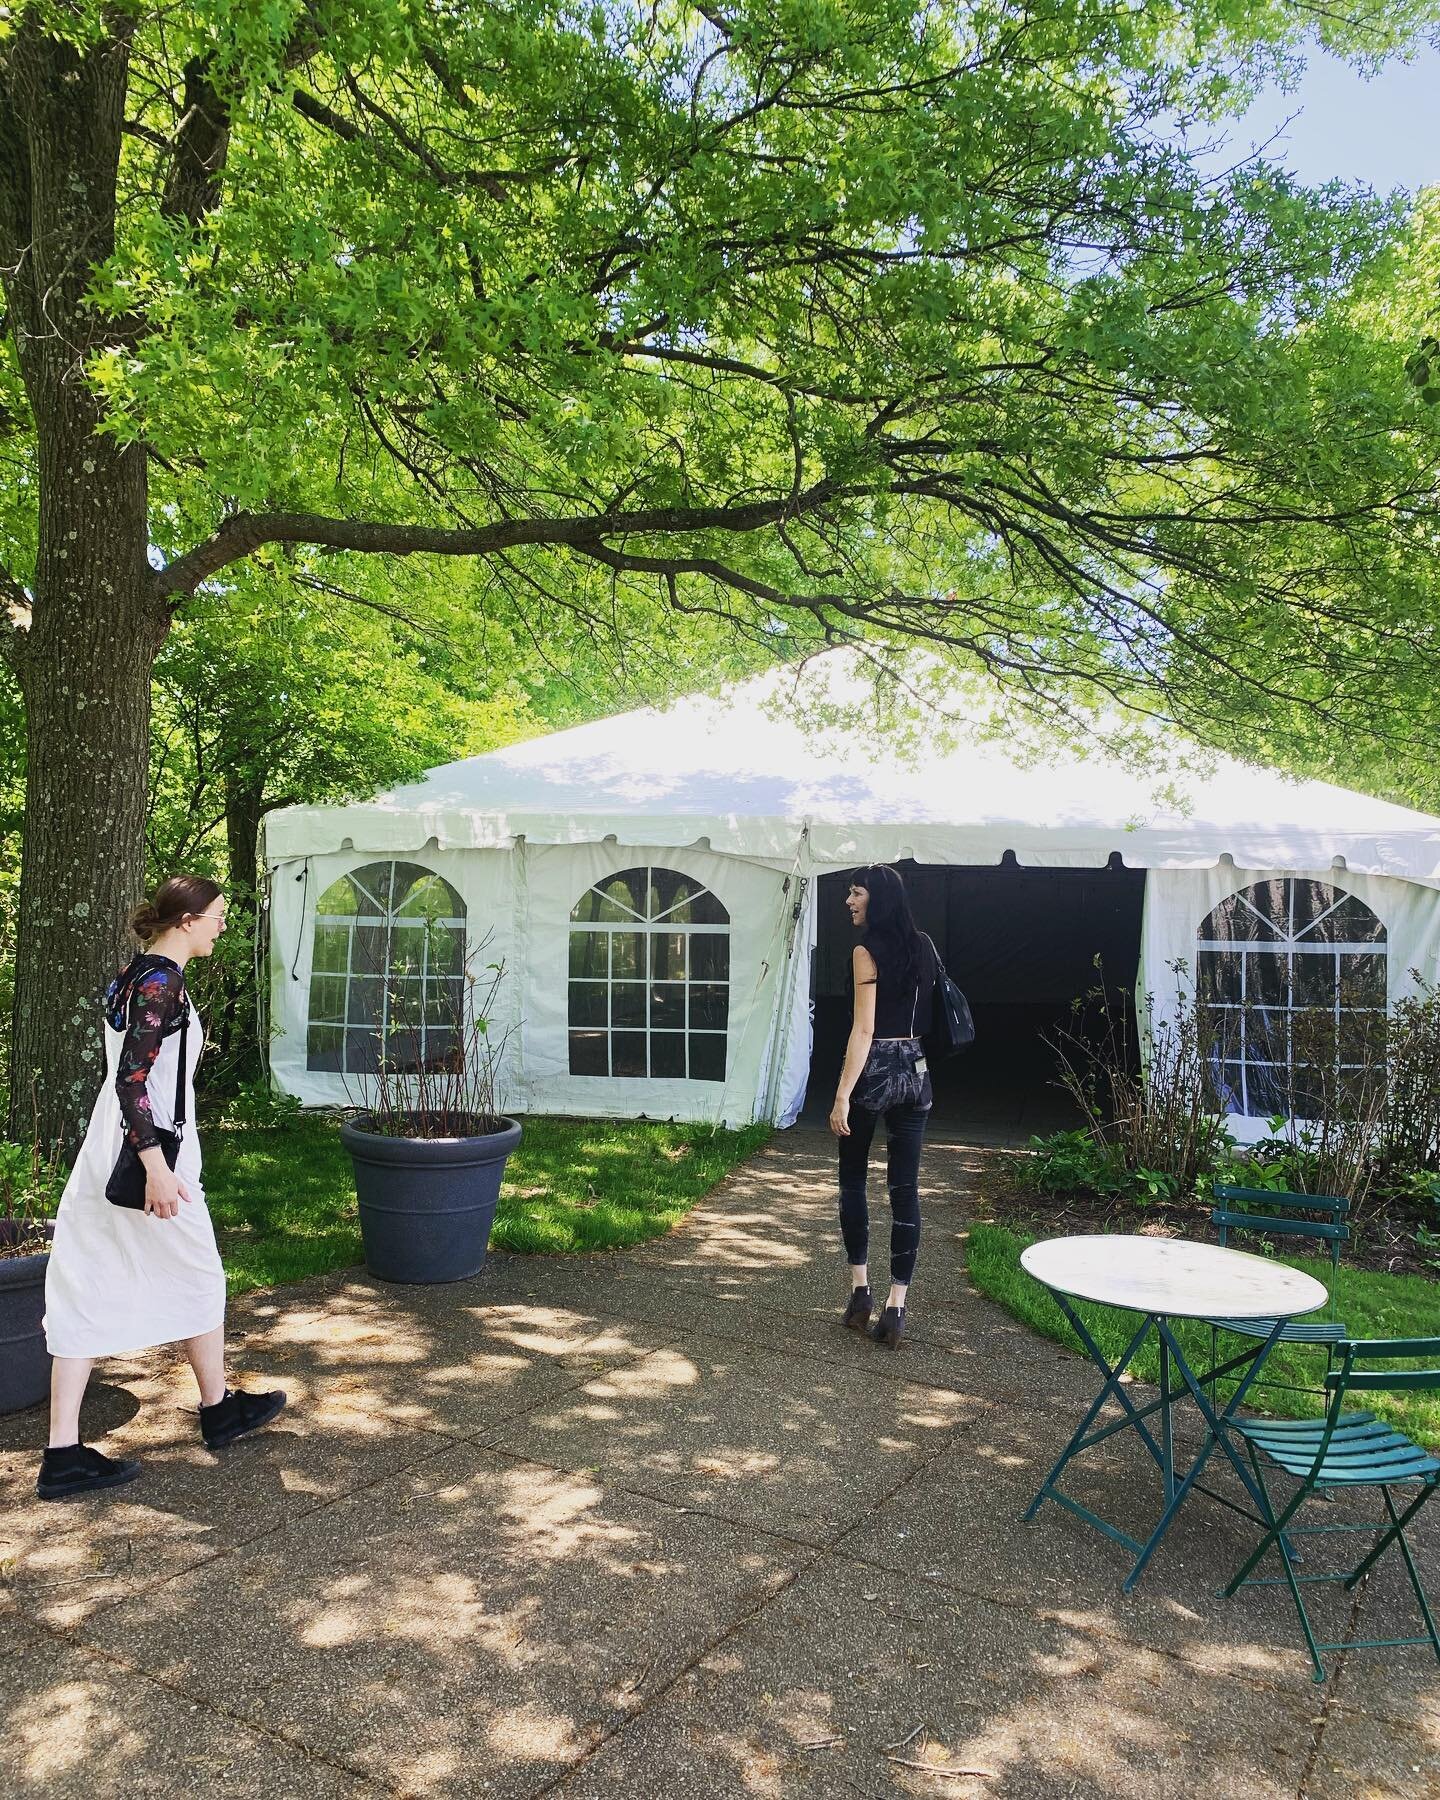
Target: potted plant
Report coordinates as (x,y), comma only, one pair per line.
(29,1188)
(429,1145)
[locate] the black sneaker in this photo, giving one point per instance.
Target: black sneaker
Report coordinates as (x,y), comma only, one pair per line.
(858,1309)
(77,1469)
(236,1414)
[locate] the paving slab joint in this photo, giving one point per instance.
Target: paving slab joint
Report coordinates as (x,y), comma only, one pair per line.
(737,1624)
(73,1640)
(1327,1698)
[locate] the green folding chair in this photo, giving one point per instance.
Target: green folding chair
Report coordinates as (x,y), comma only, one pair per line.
(1345,1450)
(1272,1213)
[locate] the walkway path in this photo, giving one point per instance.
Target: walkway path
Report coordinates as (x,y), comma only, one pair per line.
(653,1526)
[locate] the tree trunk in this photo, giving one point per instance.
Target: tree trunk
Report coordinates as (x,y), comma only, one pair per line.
(235,1031)
(244,807)
(83,665)
(84,674)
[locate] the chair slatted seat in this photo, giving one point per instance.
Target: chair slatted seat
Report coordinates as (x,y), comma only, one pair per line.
(1294,1331)
(1345,1450)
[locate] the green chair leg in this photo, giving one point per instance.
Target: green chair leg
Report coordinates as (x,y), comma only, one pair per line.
(1275,1535)
(1396,1534)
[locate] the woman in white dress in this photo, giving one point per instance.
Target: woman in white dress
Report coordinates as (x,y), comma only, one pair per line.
(121,1279)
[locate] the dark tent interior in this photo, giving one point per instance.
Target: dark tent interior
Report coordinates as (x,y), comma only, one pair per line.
(1022,943)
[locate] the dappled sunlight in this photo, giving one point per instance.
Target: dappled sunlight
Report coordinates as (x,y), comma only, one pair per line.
(430,1767)
(756,1243)
(60,1570)
(439,1613)
(659,1374)
(1005,1459)
(725,1548)
(491,1367)
(533,1733)
(474,1606)
(56,1731)
(1125,1729)
(539,1330)
(1275,1664)
(736,1464)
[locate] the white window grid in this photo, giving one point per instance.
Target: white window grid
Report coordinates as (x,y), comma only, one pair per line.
(1237,1052)
(379,1030)
(648,928)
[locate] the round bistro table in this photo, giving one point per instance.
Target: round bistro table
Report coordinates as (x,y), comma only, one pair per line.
(1164,1279)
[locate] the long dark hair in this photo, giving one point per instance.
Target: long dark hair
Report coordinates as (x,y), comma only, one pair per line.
(891,934)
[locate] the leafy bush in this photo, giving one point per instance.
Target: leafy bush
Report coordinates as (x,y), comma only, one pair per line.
(1407,1145)
(1067,1160)
(1073,1159)
(257,1103)
(1143,1089)
(31,1184)
(1367,1128)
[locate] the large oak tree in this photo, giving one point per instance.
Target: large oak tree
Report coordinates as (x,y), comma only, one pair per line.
(789,323)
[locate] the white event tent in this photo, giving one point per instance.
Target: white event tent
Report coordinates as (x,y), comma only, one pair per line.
(651,881)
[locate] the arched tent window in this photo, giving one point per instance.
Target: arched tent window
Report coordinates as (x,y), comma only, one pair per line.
(649,978)
(1291,997)
(389,967)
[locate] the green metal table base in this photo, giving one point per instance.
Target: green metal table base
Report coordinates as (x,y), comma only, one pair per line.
(1172,1360)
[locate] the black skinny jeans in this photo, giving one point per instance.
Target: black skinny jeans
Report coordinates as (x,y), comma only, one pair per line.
(904,1135)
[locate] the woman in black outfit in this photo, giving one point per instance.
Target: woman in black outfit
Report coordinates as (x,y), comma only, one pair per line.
(885,1072)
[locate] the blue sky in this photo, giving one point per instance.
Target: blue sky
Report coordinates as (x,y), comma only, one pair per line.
(1384,131)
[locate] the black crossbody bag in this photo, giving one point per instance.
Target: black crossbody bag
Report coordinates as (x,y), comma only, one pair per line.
(126,1186)
(953,1025)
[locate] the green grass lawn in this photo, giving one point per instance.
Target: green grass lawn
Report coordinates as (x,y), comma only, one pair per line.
(283,1200)
(1372,1305)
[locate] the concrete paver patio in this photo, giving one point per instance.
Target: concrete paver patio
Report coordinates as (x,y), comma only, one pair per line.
(652,1525)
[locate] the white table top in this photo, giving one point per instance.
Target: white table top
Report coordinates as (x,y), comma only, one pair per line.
(1174,1277)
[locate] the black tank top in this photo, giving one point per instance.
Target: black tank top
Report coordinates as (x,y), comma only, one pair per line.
(902,1009)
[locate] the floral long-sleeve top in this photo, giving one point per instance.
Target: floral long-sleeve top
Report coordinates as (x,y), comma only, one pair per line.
(147,1002)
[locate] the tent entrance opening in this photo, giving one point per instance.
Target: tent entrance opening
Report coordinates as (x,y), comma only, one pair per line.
(1023,945)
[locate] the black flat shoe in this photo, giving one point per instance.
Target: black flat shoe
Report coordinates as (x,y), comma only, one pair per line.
(77,1469)
(890,1327)
(858,1309)
(236,1414)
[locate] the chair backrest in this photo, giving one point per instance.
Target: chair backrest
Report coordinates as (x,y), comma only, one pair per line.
(1416,1350)
(1269,1210)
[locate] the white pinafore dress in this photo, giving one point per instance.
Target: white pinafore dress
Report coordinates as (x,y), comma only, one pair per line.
(120,1279)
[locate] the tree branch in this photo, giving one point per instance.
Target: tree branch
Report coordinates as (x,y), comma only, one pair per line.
(202,138)
(244,533)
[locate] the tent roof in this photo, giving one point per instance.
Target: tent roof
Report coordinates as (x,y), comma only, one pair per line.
(727,773)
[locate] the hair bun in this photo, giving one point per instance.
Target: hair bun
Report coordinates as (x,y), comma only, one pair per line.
(145,921)
(181,897)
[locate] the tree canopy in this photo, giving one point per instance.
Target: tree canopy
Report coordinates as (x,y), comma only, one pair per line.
(712,335)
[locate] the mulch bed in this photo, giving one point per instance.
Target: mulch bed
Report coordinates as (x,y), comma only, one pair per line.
(1384,1242)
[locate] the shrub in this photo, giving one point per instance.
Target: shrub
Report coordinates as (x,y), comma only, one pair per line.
(1073,1159)
(1407,1143)
(31,1184)
(1363,1126)
(1143,1089)
(257,1103)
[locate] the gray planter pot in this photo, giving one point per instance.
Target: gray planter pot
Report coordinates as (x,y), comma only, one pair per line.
(24,1360)
(427,1204)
